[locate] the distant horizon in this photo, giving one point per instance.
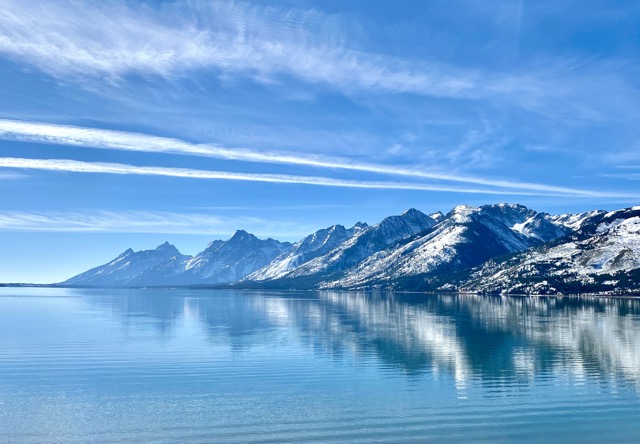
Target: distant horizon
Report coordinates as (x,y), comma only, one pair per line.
(127,123)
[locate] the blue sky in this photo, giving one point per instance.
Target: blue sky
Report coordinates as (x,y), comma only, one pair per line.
(127,123)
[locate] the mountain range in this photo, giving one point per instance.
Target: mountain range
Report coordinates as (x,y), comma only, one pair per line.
(498,248)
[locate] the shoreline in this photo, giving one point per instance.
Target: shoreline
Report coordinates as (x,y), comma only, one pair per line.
(360,290)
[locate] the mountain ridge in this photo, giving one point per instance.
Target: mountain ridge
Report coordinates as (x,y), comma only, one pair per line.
(503,248)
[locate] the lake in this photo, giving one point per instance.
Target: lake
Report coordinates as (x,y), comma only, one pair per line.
(203,366)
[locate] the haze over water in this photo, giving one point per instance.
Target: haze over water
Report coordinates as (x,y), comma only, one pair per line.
(88,365)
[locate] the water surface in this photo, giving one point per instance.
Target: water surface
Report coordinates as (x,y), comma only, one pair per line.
(166,366)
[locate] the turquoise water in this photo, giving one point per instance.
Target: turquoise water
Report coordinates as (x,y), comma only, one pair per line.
(222,366)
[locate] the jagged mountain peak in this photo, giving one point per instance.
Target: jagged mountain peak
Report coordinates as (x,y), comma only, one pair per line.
(412,212)
(167,247)
(307,249)
(233,259)
(360,226)
(128,266)
(462,213)
(576,221)
(242,235)
(214,244)
(463,209)
(512,206)
(414,218)
(513,211)
(365,243)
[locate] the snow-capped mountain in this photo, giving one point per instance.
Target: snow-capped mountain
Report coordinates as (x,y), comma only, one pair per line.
(161,273)
(501,247)
(603,254)
(220,262)
(130,267)
(575,221)
(231,260)
(438,216)
(466,237)
(527,222)
(360,246)
(312,246)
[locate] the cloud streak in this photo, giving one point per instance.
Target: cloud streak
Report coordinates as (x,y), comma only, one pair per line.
(127,141)
(75,166)
(145,222)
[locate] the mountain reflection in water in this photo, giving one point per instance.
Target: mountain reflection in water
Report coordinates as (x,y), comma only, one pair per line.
(98,365)
(467,336)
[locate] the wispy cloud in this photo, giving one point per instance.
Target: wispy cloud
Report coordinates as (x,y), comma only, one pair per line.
(120,140)
(10,175)
(277,207)
(625,176)
(75,166)
(270,44)
(146,222)
(114,39)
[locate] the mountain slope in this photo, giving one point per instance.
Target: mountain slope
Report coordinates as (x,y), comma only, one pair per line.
(124,269)
(312,246)
(468,236)
(231,260)
(360,246)
(603,254)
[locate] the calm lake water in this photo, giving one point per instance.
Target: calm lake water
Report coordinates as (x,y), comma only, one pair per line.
(232,366)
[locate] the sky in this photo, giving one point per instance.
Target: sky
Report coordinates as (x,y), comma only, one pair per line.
(128,123)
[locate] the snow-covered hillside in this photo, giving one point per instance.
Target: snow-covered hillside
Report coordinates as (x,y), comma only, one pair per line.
(312,246)
(468,236)
(603,254)
(363,244)
(232,260)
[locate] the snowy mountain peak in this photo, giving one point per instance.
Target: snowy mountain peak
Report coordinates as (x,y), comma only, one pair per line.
(412,212)
(576,221)
(357,229)
(509,214)
(168,248)
(437,216)
(232,260)
(241,235)
(129,266)
(307,249)
(513,206)
(365,243)
(412,220)
(462,213)
(464,209)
